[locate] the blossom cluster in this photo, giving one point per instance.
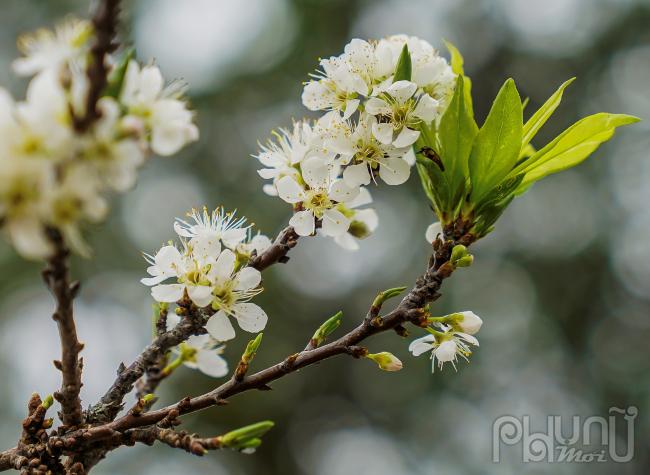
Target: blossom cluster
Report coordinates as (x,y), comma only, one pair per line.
(54,174)
(371,122)
(209,267)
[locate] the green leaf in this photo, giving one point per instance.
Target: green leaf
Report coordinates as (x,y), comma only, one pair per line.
(457,66)
(498,143)
(116,78)
(456,133)
(540,117)
(572,146)
(457,60)
(403,68)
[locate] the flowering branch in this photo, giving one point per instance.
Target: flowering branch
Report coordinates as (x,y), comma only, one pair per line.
(56,276)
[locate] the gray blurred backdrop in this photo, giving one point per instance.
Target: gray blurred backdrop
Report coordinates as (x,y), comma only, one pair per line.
(563,284)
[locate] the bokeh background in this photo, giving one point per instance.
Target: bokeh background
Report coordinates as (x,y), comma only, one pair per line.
(563,284)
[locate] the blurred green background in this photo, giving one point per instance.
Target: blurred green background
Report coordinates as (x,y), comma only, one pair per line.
(563,284)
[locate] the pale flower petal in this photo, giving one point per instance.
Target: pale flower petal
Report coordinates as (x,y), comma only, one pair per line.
(219,327)
(433,231)
(406,137)
(247,278)
(341,192)
(201,295)
(303,223)
(251,317)
(167,293)
(335,223)
(289,190)
(356,175)
(394,171)
(422,345)
(211,363)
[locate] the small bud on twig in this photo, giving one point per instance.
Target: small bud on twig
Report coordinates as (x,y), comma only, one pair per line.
(326,329)
(386,361)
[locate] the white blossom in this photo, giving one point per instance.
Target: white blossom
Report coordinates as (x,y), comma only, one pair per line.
(363,222)
(257,244)
(430,71)
(401,112)
(231,291)
(201,352)
(364,155)
(46,49)
(444,347)
(207,230)
(164,115)
(317,198)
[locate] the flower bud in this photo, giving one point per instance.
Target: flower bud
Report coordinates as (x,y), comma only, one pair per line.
(465,261)
(246,437)
(251,349)
(433,231)
(326,329)
(469,322)
(386,361)
(359,230)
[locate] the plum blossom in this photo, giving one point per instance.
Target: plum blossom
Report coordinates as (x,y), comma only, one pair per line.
(207,230)
(401,112)
(430,71)
(253,244)
(46,49)
(363,222)
(364,155)
(282,157)
(232,290)
(201,352)
(160,109)
(317,198)
(444,347)
(193,273)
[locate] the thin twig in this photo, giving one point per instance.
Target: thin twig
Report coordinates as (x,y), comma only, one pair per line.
(104,23)
(56,276)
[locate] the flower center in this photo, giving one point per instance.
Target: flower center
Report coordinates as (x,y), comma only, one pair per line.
(317,202)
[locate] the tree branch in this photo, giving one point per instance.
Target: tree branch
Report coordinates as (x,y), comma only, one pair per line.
(286,240)
(409,310)
(56,276)
(104,22)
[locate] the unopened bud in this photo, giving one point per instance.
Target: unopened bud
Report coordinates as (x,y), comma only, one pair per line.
(466,321)
(386,361)
(246,437)
(251,349)
(326,329)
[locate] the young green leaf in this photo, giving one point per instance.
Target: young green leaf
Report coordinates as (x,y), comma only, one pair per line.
(572,146)
(457,63)
(403,68)
(539,118)
(456,133)
(116,78)
(498,142)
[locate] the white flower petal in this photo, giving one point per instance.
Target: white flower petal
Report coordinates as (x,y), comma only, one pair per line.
(289,190)
(446,351)
(201,295)
(432,232)
(28,237)
(224,267)
(376,106)
(211,363)
(232,237)
(362,199)
(219,327)
(351,106)
(340,191)
(394,171)
(167,293)
(426,108)
(406,137)
(402,90)
(383,132)
(335,223)
(422,345)
(251,317)
(347,242)
(368,217)
(303,223)
(149,281)
(247,278)
(356,175)
(315,172)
